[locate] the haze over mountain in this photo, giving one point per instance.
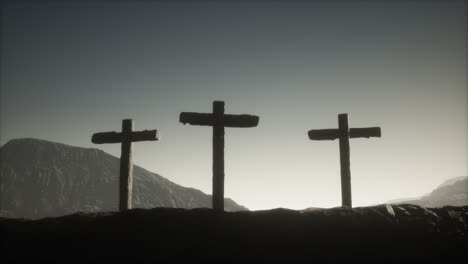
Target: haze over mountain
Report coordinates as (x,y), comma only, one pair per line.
(41,178)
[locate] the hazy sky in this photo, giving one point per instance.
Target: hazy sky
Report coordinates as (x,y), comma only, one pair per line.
(69,70)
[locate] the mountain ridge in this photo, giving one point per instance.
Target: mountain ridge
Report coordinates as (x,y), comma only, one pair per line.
(73,179)
(451,192)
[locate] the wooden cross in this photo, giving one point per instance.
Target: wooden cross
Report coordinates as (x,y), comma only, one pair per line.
(343,133)
(126,137)
(218,120)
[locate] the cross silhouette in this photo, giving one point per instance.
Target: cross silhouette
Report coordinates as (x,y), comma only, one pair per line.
(218,120)
(343,133)
(126,137)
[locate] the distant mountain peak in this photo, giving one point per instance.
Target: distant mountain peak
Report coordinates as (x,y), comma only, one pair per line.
(452,192)
(453,181)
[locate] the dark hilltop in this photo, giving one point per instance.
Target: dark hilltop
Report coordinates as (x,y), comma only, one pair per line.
(384,233)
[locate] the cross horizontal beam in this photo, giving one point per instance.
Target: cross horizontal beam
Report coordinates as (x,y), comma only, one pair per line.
(324,134)
(117,137)
(205,119)
(365,132)
(332,134)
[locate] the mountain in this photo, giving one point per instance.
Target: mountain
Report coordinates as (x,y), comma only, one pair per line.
(377,234)
(452,181)
(453,192)
(40,178)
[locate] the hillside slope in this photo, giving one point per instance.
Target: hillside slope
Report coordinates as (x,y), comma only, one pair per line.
(39,178)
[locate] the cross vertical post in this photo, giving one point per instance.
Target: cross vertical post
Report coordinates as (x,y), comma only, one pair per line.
(218,156)
(126,166)
(343,127)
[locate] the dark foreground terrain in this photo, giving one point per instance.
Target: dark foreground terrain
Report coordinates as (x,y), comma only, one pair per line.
(397,233)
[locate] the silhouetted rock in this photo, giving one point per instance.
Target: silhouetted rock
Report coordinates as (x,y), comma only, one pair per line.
(39,178)
(379,234)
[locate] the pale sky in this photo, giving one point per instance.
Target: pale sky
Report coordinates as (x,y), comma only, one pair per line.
(69,70)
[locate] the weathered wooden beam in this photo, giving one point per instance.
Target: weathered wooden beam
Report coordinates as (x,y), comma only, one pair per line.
(206,119)
(145,135)
(126,167)
(240,120)
(116,137)
(332,134)
(365,132)
(343,126)
(198,119)
(324,134)
(106,137)
(218,158)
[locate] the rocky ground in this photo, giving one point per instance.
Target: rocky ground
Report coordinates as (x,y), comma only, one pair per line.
(396,233)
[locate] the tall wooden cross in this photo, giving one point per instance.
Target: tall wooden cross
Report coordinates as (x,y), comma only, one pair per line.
(218,120)
(343,133)
(126,137)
